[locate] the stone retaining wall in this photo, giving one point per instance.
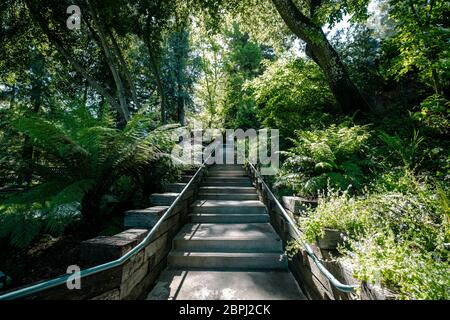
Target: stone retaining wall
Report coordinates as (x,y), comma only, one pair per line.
(132,279)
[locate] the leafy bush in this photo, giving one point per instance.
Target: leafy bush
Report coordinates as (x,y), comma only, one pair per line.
(420,42)
(334,156)
(424,154)
(11,155)
(336,210)
(394,238)
(292,94)
(80,158)
(405,151)
(434,114)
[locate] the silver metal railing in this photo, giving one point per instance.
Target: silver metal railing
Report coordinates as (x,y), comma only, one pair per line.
(335,282)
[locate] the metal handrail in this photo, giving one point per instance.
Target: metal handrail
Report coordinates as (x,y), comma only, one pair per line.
(335,282)
(20,293)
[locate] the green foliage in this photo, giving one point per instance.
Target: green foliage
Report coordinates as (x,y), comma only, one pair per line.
(237,61)
(434,114)
(421,42)
(426,153)
(333,11)
(243,63)
(397,238)
(81,156)
(336,210)
(360,50)
(179,68)
(406,151)
(11,160)
(210,86)
(333,156)
(290,95)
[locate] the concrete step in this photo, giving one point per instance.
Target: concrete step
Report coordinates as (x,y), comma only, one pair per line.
(227,183)
(217,237)
(225,167)
(229,207)
(226,190)
(175,187)
(224,174)
(226,285)
(227,260)
(144,218)
(163,199)
(226,179)
(228,218)
(167,198)
(227,196)
(229,250)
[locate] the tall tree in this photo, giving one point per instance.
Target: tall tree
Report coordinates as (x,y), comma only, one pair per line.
(156,17)
(47,15)
(305,19)
(322,52)
(180,69)
(242,63)
(210,85)
(110,58)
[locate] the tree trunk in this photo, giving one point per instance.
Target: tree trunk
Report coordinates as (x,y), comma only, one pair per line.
(111,62)
(321,51)
(125,70)
(154,66)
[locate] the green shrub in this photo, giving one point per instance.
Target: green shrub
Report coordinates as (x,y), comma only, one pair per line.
(292,94)
(394,238)
(434,114)
(334,156)
(336,210)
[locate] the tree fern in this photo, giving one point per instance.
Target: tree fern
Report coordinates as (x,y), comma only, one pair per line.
(80,157)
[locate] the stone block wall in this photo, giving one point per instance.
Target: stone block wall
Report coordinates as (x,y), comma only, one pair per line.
(132,279)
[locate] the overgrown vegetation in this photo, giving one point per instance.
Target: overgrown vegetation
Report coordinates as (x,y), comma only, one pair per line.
(363,114)
(292,93)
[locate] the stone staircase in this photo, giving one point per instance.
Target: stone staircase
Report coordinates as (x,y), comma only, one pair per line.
(229,250)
